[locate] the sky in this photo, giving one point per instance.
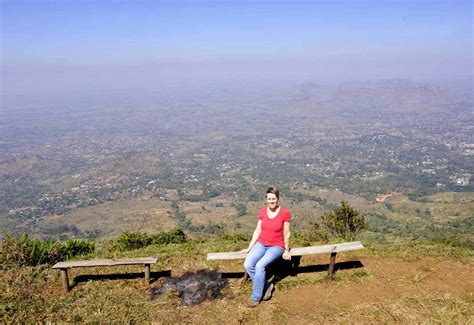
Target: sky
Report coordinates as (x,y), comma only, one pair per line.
(65,45)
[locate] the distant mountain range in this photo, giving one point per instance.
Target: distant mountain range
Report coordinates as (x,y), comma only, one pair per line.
(394,95)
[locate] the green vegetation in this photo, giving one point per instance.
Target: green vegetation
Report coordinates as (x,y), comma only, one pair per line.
(16,250)
(241,209)
(34,293)
(343,222)
(134,240)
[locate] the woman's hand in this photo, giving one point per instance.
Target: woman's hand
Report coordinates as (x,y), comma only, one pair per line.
(245,250)
(286,255)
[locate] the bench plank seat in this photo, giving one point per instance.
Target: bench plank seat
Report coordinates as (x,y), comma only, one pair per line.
(106,262)
(297,251)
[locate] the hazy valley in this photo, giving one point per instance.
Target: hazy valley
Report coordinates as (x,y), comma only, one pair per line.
(203,162)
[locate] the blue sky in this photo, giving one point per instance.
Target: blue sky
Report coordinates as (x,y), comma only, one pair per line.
(301,39)
(101,32)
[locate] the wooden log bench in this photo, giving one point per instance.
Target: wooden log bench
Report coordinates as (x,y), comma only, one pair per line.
(297,252)
(64,266)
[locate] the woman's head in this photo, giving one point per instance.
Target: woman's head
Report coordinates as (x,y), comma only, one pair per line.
(273,190)
(272,198)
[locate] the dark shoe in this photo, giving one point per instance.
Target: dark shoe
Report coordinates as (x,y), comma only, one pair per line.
(268,292)
(252,303)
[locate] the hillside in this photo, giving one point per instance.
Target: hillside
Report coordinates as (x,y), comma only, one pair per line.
(416,282)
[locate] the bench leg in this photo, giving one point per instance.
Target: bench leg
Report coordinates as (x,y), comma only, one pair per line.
(332,262)
(147,273)
(65,279)
(244,279)
(295,263)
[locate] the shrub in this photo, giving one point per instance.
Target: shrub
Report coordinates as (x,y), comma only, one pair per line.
(128,241)
(343,222)
(234,237)
(175,236)
(76,247)
(16,250)
(44,252)
(134,240)
(241,209)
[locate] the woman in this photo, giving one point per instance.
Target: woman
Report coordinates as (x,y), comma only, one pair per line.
(270,241)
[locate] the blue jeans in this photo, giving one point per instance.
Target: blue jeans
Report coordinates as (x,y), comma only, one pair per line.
(259,257)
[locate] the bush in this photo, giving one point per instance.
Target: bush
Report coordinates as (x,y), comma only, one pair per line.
(77,247)
(134,240)
(14,250)
(241,209)
(45,252)
(18,250)
(343,222)
(175,236)
(128,241)
(234,237)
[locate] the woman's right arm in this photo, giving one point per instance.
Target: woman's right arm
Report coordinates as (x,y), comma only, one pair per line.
(255,236)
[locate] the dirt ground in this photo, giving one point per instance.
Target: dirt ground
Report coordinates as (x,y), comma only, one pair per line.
(389,279)
(384,289)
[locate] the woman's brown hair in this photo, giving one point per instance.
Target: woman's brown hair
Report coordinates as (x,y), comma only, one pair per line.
(273,190)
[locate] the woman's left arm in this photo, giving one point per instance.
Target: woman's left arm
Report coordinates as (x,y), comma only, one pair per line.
(286,236)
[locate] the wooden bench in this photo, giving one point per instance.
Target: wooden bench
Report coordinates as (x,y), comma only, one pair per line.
(332,249)
(64,266)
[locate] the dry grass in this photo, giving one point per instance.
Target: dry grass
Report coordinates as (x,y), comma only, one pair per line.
(36,295)
(415,309)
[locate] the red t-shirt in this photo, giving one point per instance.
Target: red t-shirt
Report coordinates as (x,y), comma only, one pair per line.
(272,229)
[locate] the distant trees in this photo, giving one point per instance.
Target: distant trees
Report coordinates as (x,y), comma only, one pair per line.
(180,217)
(255,196)
(241,209)
(207,193)
(343,222)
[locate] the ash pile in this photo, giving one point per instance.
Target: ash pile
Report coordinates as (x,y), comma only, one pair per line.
(193,288)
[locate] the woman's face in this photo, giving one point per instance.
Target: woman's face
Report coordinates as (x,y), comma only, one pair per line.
(272,201)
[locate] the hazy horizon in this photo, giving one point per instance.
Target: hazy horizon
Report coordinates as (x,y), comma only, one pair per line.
(52,49)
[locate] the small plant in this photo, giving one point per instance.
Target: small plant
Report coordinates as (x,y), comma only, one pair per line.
(418,277)
(343,222)
(358,275)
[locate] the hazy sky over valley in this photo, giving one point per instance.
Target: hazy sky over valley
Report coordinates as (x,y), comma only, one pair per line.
(66,47)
